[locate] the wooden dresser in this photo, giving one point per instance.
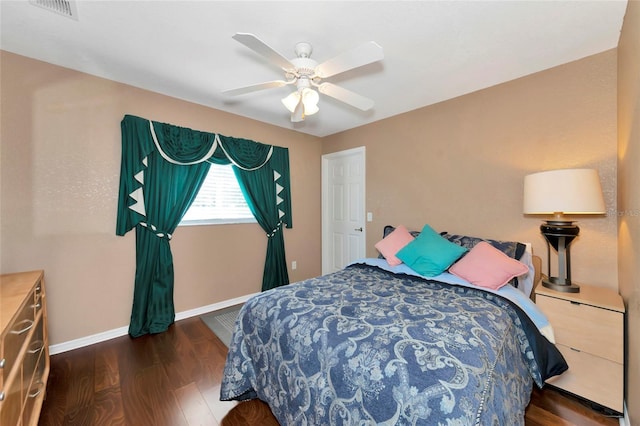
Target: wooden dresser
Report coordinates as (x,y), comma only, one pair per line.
(24,348)
(589,331)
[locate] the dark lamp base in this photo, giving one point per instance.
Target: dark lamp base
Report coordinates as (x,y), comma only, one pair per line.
(560,285)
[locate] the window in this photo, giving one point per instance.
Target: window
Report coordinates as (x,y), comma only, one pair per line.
(219,200)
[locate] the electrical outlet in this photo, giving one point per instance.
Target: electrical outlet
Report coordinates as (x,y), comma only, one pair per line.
(294,265)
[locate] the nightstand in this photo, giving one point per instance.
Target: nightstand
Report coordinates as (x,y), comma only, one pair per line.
(589,332)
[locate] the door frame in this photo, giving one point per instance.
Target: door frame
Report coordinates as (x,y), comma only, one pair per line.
(326,202)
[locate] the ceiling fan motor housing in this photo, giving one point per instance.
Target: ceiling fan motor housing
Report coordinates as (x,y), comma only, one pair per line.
(304,66)
(303,50)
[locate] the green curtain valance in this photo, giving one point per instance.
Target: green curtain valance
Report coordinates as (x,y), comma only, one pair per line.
(162,169)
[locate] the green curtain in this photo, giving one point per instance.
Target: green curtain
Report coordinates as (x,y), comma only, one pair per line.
(258,189)
(162,169)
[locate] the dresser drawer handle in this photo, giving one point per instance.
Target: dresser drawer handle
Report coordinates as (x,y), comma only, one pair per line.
(37,392)
(575,303)
(3,361)
(575,350)
(1,396)
(39,344)
(28,327)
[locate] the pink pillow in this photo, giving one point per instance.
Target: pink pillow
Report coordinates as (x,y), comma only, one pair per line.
(486,266)
(392,243)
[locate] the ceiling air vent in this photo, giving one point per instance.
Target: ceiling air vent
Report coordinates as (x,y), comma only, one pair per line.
(62,7)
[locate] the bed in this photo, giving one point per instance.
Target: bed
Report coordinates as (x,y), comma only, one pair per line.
(383,344)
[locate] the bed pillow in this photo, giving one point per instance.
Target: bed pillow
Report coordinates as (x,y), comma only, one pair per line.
(512,249)
(429,254)
(392,243)
(486,266)
(389,229)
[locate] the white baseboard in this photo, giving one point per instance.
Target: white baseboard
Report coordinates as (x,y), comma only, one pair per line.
(122,331)
(625,420)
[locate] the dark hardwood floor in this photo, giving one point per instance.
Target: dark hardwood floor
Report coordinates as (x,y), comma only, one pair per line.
(173,379)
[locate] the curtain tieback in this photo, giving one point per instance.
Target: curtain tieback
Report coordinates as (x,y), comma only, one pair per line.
(154,229)
(276,229)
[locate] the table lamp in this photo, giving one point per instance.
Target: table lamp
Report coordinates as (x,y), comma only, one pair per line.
(560,193)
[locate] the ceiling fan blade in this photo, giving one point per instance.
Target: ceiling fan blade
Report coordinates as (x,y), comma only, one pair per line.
(346,96)
(259,46)
(256,87)
(354,58)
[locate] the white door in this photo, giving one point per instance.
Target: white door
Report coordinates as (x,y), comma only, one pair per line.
(343,208)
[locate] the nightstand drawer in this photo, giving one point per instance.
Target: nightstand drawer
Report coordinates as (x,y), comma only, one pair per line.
(591,377)
(584,327)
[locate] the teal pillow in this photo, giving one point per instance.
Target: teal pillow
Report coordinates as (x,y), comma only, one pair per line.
(430,254)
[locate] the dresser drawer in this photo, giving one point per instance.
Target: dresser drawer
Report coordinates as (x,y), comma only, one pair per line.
(11,403)
(597,379)
(584,327)
(16,335)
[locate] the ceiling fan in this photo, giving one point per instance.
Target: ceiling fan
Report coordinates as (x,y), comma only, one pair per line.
(306,74)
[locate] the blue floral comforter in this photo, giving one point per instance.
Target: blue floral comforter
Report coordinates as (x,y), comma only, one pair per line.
(364,346)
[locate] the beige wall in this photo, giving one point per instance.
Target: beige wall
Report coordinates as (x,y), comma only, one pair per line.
(60,166)
(629,196)
(459,165)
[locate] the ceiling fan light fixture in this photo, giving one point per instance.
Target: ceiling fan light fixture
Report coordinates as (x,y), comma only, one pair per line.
(303,99)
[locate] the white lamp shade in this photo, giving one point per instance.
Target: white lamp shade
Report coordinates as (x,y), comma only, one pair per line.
(310,100)
(291,101)
(568,191)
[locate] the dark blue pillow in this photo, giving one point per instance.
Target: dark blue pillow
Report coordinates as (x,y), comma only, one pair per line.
(510,248)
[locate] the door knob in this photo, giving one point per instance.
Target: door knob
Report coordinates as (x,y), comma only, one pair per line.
(358,229)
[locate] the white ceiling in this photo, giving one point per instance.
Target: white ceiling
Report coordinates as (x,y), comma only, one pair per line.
(434,50)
